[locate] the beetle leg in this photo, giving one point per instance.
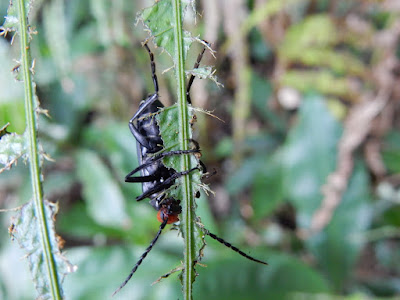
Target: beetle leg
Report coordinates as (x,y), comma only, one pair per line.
(149,178)
(164,184)
(156,158)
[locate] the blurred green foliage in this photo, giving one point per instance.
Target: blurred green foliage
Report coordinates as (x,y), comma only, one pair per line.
(91,73)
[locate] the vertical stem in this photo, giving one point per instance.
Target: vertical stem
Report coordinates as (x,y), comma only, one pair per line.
(33,153)
(184,135)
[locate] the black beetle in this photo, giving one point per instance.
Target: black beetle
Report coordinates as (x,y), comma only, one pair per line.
(155,176)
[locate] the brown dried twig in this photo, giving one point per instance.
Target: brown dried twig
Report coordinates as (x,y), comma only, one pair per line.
(356,128)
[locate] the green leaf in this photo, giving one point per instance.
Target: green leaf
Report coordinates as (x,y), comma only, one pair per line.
(267,189)
(57,35)
(338,247)
(312,43)
(139,231)
(26,231)
(76,222)
(12,23)
(227,277)
(315,31)
(169,131)
(105,202)
(101,270)
(12,147)
(391,150)
(262,175)
(309,156)
(203,73)
(159,20)
(339,63)
(12,110)
(245,175)
(317,80)
(391,158)
(115,141)
(224,148)
(12,91)
(388,256)
(261,91)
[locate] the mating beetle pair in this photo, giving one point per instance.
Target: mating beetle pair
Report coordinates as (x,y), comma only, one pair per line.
(155,177)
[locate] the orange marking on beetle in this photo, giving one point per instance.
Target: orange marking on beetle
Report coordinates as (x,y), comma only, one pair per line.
(171,218)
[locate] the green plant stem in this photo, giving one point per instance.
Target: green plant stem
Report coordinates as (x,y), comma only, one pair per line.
(184,136)
(34,153)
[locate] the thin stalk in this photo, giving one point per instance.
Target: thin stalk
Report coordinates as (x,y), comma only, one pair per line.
(184,136)
(34,153)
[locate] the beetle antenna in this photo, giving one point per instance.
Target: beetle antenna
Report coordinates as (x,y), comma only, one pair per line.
(229,245)
(191,79)
(162,226)
(153,68)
